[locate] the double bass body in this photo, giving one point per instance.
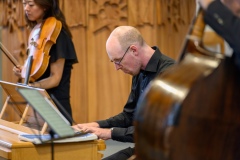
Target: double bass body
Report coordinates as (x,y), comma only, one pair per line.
(191,111)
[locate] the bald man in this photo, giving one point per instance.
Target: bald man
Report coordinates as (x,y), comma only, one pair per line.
(128,51)
(224,17)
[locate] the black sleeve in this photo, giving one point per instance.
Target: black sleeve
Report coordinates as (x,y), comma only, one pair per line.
(123,134)
(123,119)
(225,23)
(121,122)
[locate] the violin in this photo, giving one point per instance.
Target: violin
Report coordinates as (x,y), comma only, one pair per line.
(38,50)
(191,111)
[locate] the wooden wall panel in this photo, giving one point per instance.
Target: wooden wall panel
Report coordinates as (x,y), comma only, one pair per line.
(14,37)
(107,88)
(98,91)
(11,41)
(79,82)
(75,13)
(173,19)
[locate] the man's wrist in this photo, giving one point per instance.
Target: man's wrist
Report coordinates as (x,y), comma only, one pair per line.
(111,132)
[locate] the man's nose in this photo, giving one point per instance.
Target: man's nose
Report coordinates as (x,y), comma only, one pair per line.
(117,66)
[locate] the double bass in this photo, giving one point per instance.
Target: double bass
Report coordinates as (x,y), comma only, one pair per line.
(38,50)
(191,111)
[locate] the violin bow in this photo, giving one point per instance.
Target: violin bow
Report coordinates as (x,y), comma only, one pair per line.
(9,55)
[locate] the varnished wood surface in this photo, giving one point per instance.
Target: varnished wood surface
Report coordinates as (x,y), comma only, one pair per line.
(98,91)
(193,108)
(12,148)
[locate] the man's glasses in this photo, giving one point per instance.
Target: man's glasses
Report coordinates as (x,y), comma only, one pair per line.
(118,62)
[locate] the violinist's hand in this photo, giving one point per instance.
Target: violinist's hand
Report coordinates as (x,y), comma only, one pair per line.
(17,71)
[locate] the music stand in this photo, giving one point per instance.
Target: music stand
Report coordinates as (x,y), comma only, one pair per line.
(46,109)
(62,131)
(21,106)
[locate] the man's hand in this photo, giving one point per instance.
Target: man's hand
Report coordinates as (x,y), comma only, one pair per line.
(205,3)
(93,127)
(102,133)
(233,5)
(81,127)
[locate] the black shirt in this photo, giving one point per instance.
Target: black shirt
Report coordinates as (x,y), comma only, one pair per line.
(123,122)
(63,48)
(226,24)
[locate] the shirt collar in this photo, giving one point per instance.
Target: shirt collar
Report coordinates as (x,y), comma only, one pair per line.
(153,63)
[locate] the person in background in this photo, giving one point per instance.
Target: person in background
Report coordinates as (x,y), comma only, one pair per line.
(56,78)
(223,16)
(129,52)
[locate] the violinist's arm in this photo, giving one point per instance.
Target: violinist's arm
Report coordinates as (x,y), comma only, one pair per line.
(56,71)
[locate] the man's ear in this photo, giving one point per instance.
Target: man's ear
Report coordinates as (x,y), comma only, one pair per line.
(134,49)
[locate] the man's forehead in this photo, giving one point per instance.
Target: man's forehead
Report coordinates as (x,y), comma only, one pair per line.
(113,44)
